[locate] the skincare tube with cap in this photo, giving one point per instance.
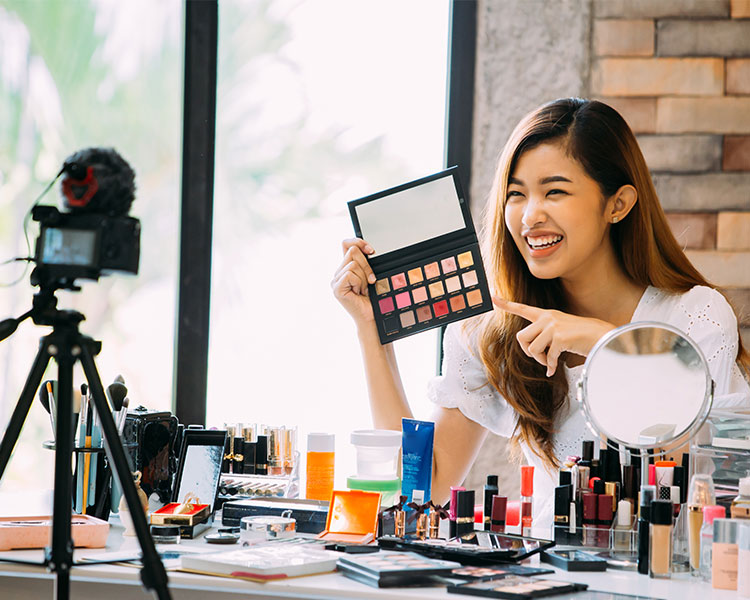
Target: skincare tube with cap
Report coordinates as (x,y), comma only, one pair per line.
(710,513)
(527,498)
(648,494)
(700,493)
(490,489)
(660,543)
(724,555)
(416,458)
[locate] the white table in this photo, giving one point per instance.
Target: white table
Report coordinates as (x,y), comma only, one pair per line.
(111,582)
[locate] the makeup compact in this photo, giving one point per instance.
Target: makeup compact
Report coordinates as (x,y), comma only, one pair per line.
(427,262)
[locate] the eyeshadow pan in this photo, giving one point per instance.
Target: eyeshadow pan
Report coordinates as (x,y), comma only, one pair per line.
(440,308)
(382,286)
(398,281)
(458,303)
(453,284)
(403,300)
(465,260)
(432,270)
(390,323)
(407,318)
(474,297)
(424,313)
(386,305)
(449,264)
(415,276)
(436,289)
(470,278)
(419,294)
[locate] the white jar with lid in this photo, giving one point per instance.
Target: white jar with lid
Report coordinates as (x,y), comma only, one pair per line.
(377,453)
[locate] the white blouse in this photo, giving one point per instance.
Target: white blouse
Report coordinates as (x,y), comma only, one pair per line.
(702,313)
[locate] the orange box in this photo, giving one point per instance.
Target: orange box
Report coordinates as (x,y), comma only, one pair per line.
(36,532)
(166,515)
(352,517)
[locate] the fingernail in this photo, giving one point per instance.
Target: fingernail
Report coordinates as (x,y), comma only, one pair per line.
(371,278)
(369,249)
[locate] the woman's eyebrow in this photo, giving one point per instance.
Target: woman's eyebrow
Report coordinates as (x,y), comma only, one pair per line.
(553,178)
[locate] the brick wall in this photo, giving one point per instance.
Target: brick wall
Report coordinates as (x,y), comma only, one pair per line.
(679,72)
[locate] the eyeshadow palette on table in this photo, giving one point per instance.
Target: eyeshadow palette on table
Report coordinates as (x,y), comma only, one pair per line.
(427,263)
(391,569)
(479,548)
(517,587)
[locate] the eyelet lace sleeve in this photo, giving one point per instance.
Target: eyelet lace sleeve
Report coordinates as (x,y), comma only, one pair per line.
(709,320)
(463,384)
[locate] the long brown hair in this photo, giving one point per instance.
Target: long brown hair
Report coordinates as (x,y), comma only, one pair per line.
(597,137)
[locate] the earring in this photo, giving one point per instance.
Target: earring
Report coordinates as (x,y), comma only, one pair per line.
(615,219)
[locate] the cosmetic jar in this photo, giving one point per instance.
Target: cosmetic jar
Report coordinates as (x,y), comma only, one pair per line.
(724,555)
(743,560)
(377,453)
(254,530)
(165,534)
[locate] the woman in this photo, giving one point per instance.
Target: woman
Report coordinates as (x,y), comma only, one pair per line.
(575,243)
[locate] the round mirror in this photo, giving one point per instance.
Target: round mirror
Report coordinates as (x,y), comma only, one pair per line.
(646,385)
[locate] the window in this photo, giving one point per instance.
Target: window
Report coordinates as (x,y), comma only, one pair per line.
(318,103)
(74,75)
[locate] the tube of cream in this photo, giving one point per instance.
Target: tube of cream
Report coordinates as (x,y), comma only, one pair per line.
(416,465)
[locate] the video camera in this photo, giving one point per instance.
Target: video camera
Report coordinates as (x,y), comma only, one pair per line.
(96,237)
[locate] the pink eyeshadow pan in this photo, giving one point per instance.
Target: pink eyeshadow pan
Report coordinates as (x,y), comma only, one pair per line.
(449,264)
(386,305)
(398,281)
(470,278)
(452,284)
(432,270)
(403,300)
(419,294)
(424,314)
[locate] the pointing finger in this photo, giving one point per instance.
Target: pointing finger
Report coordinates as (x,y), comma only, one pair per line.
(530,313)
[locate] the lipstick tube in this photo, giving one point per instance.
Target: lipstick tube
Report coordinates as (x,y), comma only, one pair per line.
(604,516)
(490,489)
(499,506)
(562,514)
(464,512)
(589,518)
(452,509)
(527,499)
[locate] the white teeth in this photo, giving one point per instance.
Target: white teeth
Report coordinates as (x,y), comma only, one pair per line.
(541,242)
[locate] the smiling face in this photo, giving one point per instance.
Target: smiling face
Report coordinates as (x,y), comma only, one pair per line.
(556,213)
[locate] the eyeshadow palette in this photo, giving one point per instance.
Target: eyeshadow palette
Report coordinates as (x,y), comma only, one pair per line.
(427,263)
(388,569)
(517,587)
(497,572)
(483,547)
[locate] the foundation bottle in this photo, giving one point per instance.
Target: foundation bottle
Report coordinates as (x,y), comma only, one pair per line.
(707,538)
(741,504)
(743,560)
(700,493)
(724,555)
(660,540)
(320,465)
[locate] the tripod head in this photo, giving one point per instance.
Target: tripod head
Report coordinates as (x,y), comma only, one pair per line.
(44,311)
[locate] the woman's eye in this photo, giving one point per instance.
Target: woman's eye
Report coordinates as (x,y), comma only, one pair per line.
(514,194)
(556,191)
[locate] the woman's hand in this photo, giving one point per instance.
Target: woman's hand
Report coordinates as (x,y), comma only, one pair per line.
(350,281)
(553,332)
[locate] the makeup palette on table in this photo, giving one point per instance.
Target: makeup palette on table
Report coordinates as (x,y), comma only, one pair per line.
(427,263)
(388,569)
(517,587)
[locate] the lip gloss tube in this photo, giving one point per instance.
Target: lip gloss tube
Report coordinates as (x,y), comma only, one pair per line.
(527,498)
(499,506)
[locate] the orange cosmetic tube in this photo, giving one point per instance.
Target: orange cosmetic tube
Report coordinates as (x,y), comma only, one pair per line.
(320,466)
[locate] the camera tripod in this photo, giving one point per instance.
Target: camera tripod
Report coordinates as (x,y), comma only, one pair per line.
(66,345)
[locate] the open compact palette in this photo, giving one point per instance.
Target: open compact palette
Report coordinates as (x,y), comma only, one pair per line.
(427,262)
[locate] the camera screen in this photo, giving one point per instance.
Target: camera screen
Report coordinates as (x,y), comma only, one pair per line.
(68,246)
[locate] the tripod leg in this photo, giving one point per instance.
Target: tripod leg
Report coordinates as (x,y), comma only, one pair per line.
(60,556)
(153,574)
(18,418)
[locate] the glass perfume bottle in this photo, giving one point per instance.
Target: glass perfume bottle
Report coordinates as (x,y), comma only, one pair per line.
(700,493)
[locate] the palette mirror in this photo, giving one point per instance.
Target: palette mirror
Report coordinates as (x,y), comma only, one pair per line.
(647,386)
(200,466)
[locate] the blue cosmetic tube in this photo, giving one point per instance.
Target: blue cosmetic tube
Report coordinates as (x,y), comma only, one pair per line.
(416,461)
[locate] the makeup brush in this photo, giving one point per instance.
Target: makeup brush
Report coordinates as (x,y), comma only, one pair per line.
(87,456)
(122,417)
(44,394)
(116,392)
